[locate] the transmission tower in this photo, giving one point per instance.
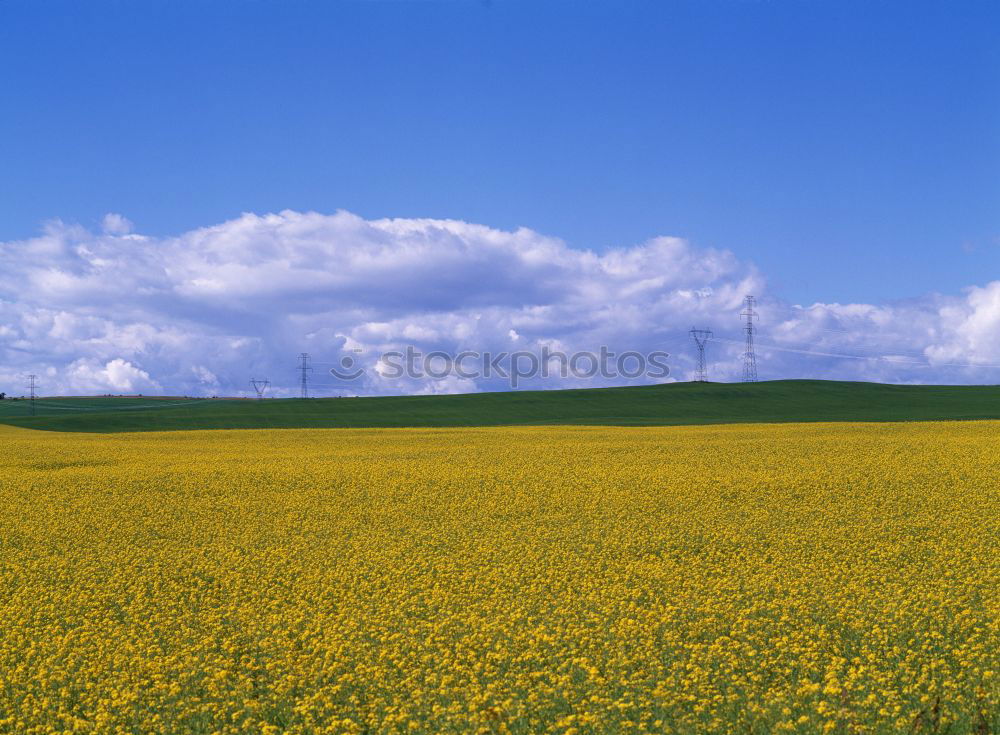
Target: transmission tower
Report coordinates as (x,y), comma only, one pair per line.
(31,388)
(749,358)
(304,369)
(700,337)
(260,385)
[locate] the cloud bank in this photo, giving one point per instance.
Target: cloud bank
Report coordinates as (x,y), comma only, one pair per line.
(199,314)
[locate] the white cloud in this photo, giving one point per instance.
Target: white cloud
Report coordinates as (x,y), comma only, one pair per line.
(115,224)
(115,376)
(976,333)
(201,312)
(451,384)
(204,375)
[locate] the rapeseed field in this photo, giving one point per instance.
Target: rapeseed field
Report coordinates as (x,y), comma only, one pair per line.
(821,578)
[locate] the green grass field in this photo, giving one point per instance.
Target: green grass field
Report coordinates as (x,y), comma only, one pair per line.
(674,403)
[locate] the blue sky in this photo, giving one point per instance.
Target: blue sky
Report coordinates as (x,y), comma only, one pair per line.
(847,152)
(850,149)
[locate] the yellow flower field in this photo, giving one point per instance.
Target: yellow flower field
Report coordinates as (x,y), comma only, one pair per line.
(739,579)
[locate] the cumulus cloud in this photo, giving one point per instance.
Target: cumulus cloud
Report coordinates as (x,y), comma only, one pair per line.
(115,224)
(115,376)
(202,312)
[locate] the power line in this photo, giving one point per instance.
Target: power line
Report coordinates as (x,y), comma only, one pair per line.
(873,349)
(804,317)
(304,369)
(700,337)
(749,358)
(880,358)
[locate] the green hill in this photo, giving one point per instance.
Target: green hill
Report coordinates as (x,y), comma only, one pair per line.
(674,403)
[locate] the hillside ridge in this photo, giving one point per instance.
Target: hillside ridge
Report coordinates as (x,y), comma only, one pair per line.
(778,401)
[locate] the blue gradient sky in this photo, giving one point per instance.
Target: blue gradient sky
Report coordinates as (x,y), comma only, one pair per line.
(850,150)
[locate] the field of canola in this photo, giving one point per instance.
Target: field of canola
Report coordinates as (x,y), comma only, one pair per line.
(731,579)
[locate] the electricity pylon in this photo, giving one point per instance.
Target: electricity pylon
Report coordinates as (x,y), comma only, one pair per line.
(700,337)
(260,385)
(749,358)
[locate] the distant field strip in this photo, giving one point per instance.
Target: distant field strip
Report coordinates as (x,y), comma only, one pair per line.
(92,405)
(838,578)
(649,405)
